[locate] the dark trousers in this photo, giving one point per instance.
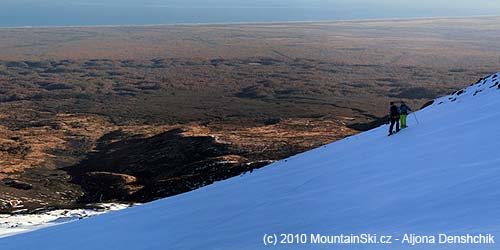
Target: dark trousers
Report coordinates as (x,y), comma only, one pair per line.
(394,120)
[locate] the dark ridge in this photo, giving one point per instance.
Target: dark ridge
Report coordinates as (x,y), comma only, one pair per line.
(369,125)
(457,70)
(427,104)
(415,93)
(17,184)
(144,169)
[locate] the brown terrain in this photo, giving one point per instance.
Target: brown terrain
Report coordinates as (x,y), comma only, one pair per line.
(133,114)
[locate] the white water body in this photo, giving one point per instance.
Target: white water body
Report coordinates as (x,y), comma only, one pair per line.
(15,13)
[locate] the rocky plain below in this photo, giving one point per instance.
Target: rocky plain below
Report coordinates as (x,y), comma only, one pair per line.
(133,114)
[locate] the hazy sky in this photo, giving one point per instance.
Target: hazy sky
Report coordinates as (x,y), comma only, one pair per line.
(116,12)
(463,4)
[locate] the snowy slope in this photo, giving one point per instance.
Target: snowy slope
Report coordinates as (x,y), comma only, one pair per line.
(11,224)
(439,176)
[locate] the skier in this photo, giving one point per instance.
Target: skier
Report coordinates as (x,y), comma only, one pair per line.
(393,117)
(403,110)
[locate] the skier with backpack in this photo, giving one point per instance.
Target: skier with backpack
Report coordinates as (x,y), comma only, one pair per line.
(394,116)
(403,111)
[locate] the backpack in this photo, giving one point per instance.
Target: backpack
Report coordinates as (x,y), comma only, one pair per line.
(394,111)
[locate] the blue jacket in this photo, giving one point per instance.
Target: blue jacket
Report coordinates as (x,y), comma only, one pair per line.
(404,109)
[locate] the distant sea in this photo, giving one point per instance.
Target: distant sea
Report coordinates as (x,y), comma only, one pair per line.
(14,13)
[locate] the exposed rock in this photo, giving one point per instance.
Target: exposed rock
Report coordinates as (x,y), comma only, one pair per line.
(427,104)
(118,186)
(146,163)
(17,184)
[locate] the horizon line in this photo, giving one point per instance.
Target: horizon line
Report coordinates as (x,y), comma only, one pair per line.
(249,23)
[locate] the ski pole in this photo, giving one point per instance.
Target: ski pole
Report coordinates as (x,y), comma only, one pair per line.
(415,116)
